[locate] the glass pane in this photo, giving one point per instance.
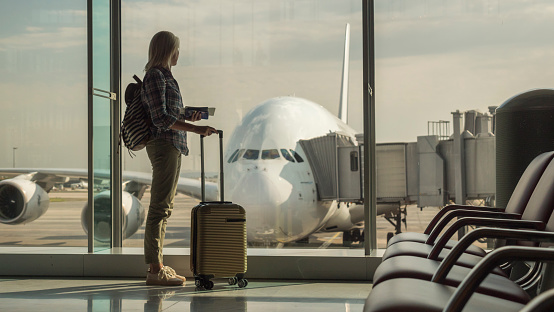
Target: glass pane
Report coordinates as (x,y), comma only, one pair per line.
(287,155)
(277,67)
(101,125)
(435,58)
(233,156)
(270,154)
(43,87)
(251,154)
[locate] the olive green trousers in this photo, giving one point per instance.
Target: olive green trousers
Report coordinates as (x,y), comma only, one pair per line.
(166,166)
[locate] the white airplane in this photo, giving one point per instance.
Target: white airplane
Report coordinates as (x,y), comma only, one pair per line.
(266,171)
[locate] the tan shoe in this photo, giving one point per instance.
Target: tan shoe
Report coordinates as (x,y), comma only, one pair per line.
(163,278)
(172,271)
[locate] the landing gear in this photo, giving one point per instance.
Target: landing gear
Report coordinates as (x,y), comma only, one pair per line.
(305,240)
(352,236)
(389,236)
(398,218)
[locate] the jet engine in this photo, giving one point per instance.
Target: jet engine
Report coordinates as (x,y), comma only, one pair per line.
(21,201)
(133,215)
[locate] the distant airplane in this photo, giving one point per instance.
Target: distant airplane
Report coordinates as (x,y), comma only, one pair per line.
(266,171)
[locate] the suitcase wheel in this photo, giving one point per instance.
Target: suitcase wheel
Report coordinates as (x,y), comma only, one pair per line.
(203,284)
(233,280)
(243,283)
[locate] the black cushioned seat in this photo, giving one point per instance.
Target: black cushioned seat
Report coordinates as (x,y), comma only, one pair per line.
(542,303)
(516,205)
(412,295)
(405,249)
(538,209)
(540,204)
(402,267)
(416,295)
(423,250)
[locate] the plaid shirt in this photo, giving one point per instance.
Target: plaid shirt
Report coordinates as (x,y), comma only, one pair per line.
(160,92)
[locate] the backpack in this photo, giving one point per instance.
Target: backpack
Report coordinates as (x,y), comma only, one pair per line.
(135,127)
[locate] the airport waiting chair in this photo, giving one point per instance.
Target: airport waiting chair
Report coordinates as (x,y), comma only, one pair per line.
(410,294)
(422,244)
(542,303)
(516,204)
(540,204)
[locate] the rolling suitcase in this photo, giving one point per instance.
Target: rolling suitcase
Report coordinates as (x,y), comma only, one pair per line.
(218,236)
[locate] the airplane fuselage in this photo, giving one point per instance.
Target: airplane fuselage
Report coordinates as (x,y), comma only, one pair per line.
(267,171)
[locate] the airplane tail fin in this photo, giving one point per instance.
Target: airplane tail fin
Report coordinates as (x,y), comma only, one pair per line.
(343,105)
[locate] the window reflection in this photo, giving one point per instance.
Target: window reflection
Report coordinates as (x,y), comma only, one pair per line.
(43,87)
(286,155)
(242,49)
(236,155)
(251,154)
(233,156)
(270,154)
(296,156)
(478,42)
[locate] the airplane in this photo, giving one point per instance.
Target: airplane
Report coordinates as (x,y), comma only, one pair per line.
(266,171)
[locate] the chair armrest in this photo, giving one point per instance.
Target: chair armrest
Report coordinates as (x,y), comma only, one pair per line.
(449,208)
(486,232)
(467,213)
(501,223)
(514,253)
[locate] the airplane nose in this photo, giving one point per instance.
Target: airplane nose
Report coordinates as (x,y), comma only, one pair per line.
(260,197)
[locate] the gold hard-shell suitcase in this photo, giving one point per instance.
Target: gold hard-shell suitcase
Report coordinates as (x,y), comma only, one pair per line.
(218,236)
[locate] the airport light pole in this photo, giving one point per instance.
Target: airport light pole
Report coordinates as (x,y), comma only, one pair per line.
(14,148)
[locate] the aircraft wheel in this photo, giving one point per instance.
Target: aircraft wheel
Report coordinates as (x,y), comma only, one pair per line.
(356,235)
(346,239)
(389,236)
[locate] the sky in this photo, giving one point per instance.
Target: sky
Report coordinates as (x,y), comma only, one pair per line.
(432,57)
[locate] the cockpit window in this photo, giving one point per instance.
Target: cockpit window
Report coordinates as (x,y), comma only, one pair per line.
(251,154)
(287,155)
(233,156)
(270,154)
(296,156)
(236,155)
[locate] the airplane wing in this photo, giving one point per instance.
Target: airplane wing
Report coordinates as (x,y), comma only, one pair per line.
(47,177)
(187,186)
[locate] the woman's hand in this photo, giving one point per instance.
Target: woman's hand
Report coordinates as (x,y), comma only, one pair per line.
(205,130)
(196,115)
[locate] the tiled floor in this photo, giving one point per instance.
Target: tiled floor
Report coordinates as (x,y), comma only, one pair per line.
(64,294)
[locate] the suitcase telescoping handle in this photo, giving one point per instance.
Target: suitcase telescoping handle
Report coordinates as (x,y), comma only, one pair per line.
(202,175)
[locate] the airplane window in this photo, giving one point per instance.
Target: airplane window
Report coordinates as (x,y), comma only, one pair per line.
(296,156)
(239,155)
(233,156)
(287,155)
(251,154)
(236,155)
(270,154)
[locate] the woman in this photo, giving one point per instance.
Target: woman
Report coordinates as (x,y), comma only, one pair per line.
(160,92)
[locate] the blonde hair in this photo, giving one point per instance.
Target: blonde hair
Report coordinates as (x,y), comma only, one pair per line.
(163,46)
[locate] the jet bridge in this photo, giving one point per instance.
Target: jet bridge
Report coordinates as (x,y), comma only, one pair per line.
(336,164)
(432,172)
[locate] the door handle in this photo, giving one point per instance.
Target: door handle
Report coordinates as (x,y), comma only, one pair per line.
(111,95)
